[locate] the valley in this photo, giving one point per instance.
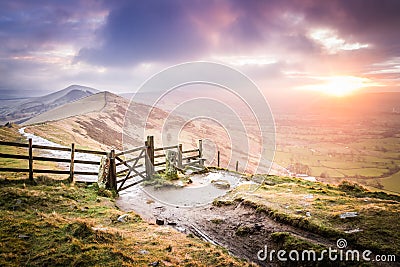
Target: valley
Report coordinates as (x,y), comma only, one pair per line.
(364,149)
(281,212)
(332,141)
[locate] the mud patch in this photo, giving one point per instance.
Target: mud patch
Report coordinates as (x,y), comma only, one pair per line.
(237,227)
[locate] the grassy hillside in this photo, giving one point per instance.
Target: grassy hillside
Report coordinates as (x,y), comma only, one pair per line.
(93,103)
(64,225)
(53,223)
(11,134)
(24,109)
(316,208)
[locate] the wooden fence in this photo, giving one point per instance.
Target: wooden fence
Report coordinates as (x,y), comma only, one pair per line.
(31,158)
(122,166)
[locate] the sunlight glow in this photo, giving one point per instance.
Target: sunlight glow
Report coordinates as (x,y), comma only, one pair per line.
(339,86)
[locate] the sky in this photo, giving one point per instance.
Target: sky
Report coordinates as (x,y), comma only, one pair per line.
(335,47)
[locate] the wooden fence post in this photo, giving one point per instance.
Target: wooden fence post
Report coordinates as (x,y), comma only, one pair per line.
(237,166)
(71,165)
(218,155)
(200,148)
(112,178)
(180,156)
(30,160)
(149,157)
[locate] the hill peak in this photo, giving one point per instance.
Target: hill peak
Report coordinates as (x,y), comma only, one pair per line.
(97,102)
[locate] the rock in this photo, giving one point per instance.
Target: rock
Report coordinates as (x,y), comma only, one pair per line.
(101,229)
(353,231)
(221,184)
(144,252)
(181,229)
(171,160)
(350,214)
(123,218)
(308,214)
(149,201)
(258,227)
(188,172)
(310,196)
(103,171)
(155,263)
(22,236)
(159,221)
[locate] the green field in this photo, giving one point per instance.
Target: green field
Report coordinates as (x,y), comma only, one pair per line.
(362,149)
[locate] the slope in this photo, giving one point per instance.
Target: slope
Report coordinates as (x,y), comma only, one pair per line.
(22,110)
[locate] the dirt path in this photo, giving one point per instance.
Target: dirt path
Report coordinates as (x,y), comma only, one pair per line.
(219,225)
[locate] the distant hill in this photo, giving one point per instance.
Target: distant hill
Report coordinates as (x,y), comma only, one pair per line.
(22,110)
(95,121)
(84,105)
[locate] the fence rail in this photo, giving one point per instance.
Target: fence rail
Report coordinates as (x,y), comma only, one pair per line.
(31,159)
(143,165)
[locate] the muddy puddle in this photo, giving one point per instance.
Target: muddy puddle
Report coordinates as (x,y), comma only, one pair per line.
(165,203)
(190,211)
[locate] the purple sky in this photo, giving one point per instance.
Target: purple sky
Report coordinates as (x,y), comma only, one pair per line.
(283,46)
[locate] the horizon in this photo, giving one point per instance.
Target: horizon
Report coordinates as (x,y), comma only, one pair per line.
(336,48)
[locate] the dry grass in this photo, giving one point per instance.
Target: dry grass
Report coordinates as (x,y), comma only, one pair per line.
(63,225)
(316,207)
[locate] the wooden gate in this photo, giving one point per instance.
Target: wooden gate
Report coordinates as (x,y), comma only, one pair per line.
(130,167)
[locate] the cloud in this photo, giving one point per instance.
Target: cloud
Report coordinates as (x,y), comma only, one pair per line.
(264,38)
(175,31)
(363,21)
(140,31)
(39,39)
(27,26)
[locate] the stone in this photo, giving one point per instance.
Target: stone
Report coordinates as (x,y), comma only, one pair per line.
(103,171)
(171,161)
(123,218)
(159,221)
(350,214)
(353,231)
(22,236)
(221,184)
(144,252)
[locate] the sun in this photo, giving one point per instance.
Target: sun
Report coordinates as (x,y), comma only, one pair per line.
(339,86)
